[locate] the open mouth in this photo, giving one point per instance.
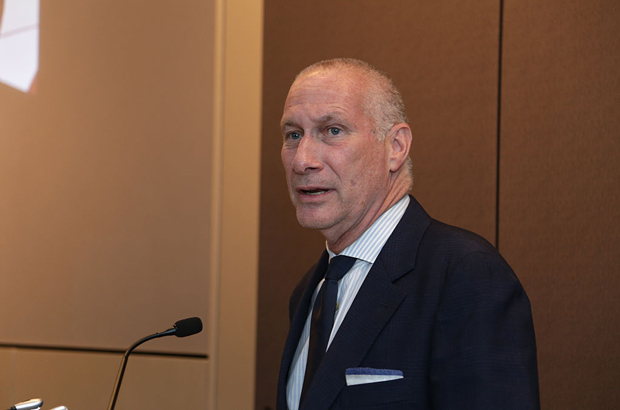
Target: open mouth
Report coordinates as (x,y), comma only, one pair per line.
(313,191)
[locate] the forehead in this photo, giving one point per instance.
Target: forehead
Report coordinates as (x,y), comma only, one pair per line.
(322,94)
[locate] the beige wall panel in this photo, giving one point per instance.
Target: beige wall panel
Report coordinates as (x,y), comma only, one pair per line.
(560,197)
(443,55)
(238,119)
(105,176)
(85,380)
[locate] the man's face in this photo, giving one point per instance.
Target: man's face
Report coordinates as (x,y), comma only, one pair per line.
(336,169)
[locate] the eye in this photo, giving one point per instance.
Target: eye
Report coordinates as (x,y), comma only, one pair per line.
(293,136)
(334,130)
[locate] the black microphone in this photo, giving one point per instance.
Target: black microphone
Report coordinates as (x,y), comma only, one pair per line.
(182,328)
(187,327)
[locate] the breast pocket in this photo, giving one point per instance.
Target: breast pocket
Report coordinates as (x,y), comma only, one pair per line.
(388,395)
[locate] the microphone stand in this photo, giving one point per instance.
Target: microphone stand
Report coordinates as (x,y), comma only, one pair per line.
(121,370)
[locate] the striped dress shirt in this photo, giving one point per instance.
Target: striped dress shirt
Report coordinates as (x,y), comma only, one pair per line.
(365,249)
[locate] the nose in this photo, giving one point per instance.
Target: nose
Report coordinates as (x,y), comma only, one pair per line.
(307,156)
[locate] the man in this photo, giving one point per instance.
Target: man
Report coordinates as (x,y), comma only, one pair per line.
(427,316)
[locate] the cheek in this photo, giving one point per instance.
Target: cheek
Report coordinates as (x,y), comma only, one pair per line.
(284,158)
(287,160)
(371,176)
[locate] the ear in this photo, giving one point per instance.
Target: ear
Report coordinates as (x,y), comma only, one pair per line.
(399,140)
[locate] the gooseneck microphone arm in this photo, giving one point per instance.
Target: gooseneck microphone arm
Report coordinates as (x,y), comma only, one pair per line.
(182,328)
(121,370)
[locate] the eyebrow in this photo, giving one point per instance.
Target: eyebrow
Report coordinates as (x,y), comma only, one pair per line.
(330,116)
(284,124)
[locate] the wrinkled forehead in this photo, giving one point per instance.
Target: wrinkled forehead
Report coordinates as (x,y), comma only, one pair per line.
(323,80)
(324,88)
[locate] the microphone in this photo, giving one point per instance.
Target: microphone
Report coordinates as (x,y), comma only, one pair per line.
(187,327)
(181,328)
(28,405)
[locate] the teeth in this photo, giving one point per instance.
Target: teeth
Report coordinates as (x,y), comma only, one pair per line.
(314,192)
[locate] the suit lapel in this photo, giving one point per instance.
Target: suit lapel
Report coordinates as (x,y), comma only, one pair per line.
(399,253)
(374,305)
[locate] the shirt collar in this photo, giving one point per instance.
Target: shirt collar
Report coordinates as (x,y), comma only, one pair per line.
(368,246)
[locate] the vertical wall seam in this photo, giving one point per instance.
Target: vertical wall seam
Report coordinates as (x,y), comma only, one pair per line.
(499,121)
(216,202)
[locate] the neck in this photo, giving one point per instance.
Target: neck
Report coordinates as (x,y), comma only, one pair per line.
(340,243)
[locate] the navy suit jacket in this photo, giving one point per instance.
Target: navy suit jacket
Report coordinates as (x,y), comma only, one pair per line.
(441,305)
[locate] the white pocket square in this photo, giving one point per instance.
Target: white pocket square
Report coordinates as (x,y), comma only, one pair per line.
(364,375)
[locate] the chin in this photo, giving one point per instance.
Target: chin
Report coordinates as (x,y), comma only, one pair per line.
(318,222)
(311,224)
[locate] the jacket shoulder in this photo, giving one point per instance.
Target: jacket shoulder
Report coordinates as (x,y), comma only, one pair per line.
(456,249)
(454,241)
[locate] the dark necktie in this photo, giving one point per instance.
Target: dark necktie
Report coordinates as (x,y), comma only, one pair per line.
(323,313)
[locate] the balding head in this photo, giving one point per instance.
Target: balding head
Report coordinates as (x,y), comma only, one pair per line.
(381,100)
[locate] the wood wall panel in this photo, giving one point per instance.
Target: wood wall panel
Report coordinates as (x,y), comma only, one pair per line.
(81,380)
(105,177)
(559,190)
(129,194)
(443,55)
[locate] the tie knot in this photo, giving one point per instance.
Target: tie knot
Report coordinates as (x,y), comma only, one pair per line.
(338,266)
